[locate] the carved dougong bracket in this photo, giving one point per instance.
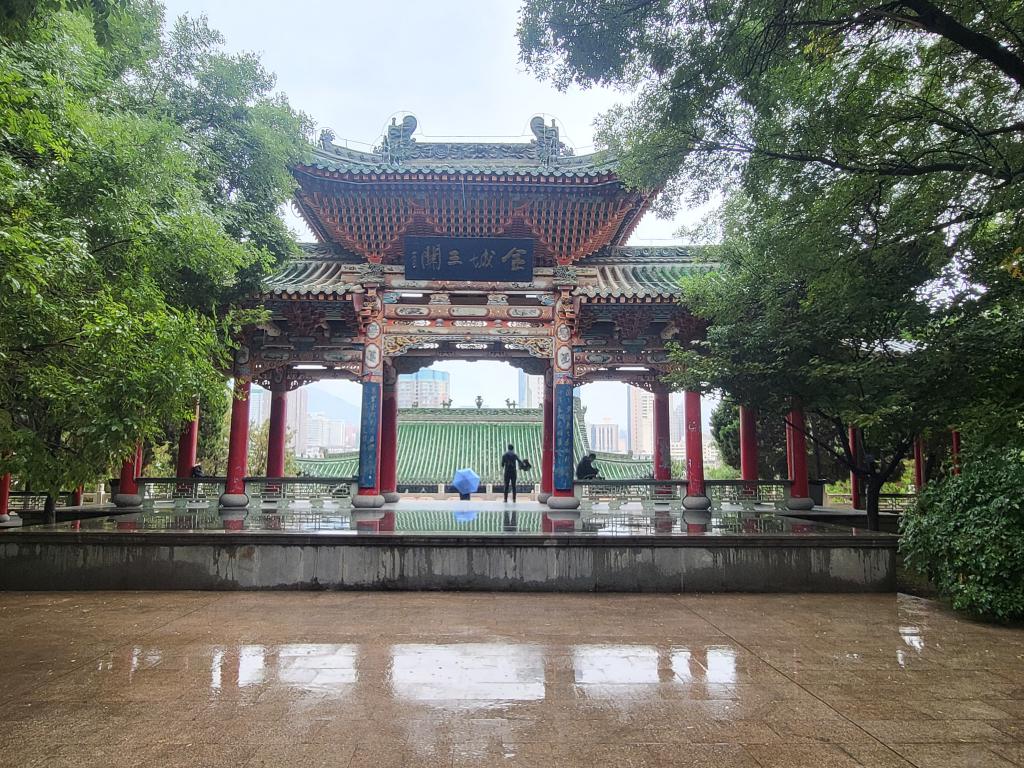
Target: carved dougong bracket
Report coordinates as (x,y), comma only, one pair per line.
(539,346)
(398,345)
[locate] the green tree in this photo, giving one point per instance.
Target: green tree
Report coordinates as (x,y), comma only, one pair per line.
(259,439)
(871,158)
(140,177)
(967,535)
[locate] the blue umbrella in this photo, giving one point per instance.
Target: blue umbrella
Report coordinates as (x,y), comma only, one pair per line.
(466,481)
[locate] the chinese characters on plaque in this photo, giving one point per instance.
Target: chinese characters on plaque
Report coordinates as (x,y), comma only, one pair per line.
(505,259)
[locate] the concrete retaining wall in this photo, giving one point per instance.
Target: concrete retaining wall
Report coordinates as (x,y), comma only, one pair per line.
(200,561)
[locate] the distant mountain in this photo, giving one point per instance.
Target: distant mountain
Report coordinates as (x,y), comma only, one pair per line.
(334,407)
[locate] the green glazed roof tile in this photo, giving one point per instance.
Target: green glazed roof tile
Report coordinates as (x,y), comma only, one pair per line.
(432,444)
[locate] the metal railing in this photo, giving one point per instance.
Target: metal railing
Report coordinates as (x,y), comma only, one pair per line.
(747,493)
(646,492)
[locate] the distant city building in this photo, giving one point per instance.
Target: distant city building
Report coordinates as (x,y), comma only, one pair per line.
(427,388)
(640,429)
(531,391)
(712,456)
(604,437)
(259,406)
(298,420)
(676,420)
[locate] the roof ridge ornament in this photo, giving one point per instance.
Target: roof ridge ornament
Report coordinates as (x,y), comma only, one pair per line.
(549,147)
(398,141)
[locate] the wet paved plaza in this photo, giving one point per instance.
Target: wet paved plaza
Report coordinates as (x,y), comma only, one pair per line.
(460,679)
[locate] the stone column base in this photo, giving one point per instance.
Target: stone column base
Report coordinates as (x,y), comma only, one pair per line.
(127,499)
(543,497)
(366,501)
(233,500)
(10,521)
(563,502)
(696,502)
(799,504)
(390,497)
(697,516)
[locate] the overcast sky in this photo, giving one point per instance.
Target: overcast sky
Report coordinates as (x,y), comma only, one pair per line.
(352,66)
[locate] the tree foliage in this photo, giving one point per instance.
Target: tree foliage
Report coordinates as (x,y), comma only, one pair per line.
(872,160)
(140,176)
(967,535)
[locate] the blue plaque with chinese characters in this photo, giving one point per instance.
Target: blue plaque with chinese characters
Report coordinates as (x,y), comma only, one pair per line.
(563,469)
(369,434)
(486,259)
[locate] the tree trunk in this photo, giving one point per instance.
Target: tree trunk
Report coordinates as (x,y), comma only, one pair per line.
(50,510)
(874,488)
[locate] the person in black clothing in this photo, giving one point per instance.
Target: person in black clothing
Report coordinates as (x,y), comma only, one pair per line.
(586,470)
(510,464)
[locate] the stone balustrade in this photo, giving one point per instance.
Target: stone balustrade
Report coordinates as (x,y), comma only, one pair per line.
(646,492)
(747,493)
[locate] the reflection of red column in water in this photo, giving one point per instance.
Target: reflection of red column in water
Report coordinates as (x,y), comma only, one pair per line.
(238,441)
(277,432)
(855,446)
(696,528)
(955,451)
(918,464)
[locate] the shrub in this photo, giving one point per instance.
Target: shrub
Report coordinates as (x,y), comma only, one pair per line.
(967,535)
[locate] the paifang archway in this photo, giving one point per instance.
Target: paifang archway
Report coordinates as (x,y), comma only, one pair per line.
(474,251)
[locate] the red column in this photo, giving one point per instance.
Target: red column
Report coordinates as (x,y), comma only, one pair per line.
(127,489)
(389,441)
(127,484)
(138,459)
(278,432)
(856,501)
(955,451)
(188,445)
(918,464)
(748,443)
(76,496)
(238,447)
(696,497)
(547,455)
(662,440)
(5,497)
(799,492)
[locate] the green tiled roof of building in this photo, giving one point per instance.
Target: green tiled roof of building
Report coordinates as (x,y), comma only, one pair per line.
(623,272)
(433,443)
